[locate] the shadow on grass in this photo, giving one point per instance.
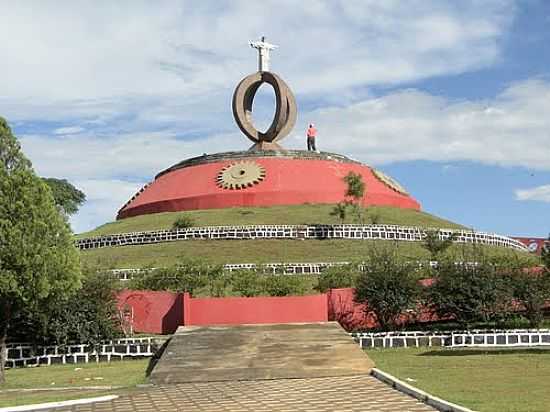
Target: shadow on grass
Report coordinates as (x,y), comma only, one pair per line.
(487,351)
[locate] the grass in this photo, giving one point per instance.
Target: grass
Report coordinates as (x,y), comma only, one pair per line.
(122,374)
(510,380)
(258,251)
(289,215)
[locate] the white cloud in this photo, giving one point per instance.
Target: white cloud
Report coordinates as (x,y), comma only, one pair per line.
(68,130)
(132,87)
(540,193)
(509,130)
(104,198)
(98,55)
(513,129)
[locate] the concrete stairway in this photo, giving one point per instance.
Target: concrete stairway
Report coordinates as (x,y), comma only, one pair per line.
(256,352)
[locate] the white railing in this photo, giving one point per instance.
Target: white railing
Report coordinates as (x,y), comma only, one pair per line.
(455,339)
(358,232)
(25,354)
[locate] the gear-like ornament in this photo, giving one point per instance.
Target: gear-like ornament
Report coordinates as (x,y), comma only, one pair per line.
(389,181)
(240,175)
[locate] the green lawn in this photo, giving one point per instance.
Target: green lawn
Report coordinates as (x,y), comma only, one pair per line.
(289,215)
(122,374)
(510,380)
(252,251)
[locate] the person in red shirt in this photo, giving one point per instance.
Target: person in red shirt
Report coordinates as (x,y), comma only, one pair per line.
(311,135)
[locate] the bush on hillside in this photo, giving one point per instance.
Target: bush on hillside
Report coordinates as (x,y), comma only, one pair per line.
(183,222)
(186,276)
(336,277)
(284,285)
(388,286)
(436,246)
(247,283)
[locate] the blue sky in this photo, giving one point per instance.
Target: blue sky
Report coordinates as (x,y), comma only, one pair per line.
(450,98)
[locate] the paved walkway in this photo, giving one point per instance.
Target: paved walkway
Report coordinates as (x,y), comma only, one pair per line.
(306,367)
(344,393)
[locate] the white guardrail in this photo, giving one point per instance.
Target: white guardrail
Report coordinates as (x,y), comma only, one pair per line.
(456,339)
(351,232)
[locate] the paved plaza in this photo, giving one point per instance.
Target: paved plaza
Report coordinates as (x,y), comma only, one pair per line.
(293,367)
(331,394)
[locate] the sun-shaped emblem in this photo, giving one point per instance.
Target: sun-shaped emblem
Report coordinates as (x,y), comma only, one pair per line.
(240,175)
(390,182)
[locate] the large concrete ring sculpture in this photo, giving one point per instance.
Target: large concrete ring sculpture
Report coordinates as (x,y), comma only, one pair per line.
(285,110)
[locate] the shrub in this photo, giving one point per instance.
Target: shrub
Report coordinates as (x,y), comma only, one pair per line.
(436,246)
(183,222)
(186,276)
(246,283)
(387,286)
(340,211)
(336,277)
(469,292)
(531,290)
(283,285)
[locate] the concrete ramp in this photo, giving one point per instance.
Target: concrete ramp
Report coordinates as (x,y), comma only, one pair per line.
(257,352)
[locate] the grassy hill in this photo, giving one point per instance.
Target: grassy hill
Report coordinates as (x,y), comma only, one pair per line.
(259,251)
(250,251)
(276,215)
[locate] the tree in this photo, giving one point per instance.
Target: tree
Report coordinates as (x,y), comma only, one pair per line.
(66,196)
(387,286)
(470,292)
(435,245)
(354,193)
(38,259)
(340,211)
(88,316)
(531,289)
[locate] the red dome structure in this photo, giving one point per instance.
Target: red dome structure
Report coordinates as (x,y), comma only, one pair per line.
(262,178)
(266,175)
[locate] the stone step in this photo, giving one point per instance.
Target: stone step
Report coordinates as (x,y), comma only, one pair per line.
(256,352)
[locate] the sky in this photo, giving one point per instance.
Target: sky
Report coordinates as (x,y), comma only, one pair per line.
(450,98)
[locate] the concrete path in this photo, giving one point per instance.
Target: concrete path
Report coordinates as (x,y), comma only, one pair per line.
(299,367)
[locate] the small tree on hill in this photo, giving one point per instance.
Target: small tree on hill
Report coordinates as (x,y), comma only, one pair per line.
(435,245)
(183,222)
(354,193)
(340,211)
(66,196)
(387,286)
(38,259)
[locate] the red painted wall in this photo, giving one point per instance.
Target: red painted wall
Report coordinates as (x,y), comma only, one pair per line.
(287,182)
(153,312)
(236,311)
(163,312)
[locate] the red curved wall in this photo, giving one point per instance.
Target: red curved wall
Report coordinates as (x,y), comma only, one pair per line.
(288,181)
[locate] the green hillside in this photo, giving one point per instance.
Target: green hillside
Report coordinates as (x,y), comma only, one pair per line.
(259,251)
(276,215)
(250,251)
